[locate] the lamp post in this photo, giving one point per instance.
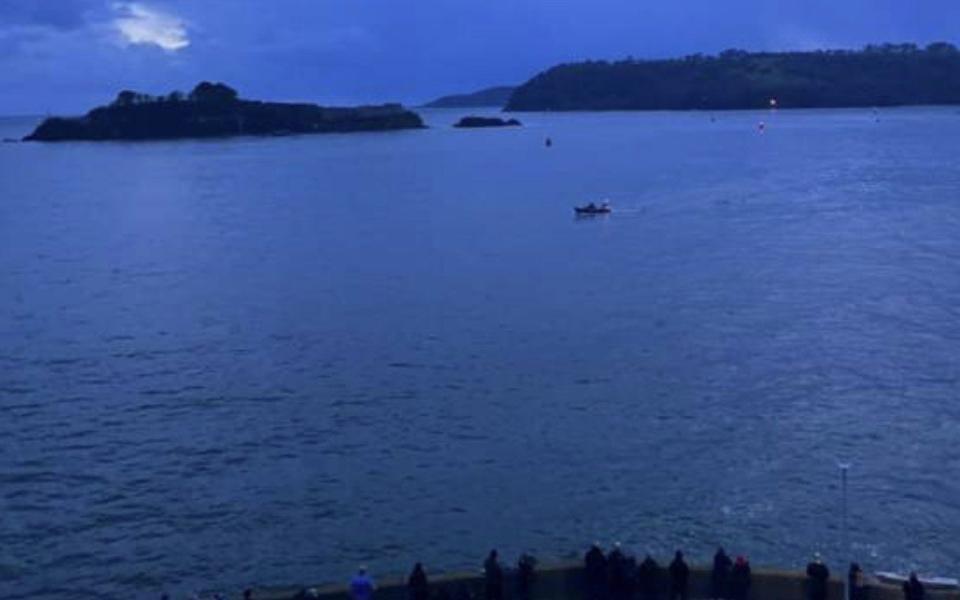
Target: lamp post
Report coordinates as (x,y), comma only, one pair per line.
(844,467)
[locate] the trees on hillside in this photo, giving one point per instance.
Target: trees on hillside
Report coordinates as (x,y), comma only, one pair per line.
(880,75)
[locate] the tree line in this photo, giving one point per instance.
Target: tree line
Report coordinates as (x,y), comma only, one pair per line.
(877,75)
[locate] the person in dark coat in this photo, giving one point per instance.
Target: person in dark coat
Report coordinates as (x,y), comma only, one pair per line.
(679,577)
(631,568)
(648,578)
(493,577)
(912,588)
(855,582)
(525,570)
(720,575)
(417,584)
(595,572)
(617,573)
(818,575)
(740,580)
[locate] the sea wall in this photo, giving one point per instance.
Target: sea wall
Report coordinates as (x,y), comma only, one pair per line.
(565,582)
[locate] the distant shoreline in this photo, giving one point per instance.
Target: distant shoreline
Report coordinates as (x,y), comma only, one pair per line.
(756,109)
(876,76)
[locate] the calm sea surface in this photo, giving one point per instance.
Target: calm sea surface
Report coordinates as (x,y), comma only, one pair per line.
(264,361)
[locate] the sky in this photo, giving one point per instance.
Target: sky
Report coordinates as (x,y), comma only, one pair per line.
(66,56)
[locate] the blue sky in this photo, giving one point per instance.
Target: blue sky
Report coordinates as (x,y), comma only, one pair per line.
(68,55)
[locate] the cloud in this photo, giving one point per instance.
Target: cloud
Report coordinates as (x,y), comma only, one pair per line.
(139,24)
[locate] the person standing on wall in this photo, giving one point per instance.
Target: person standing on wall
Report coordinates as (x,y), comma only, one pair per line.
(417,584)
(648,579)
(720,575)
(595,572)
(740,580)
(362,586)
(679,577)
(913,588)
(617,573)
(526,565)
(855,582)
(817,577)
(493,577)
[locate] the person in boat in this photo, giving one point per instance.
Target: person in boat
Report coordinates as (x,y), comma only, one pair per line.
(817,577)
(679,577)
(591,206)
(855,582)
(417,585)
(595,572)
(720,574)
(493,577)
(913,588)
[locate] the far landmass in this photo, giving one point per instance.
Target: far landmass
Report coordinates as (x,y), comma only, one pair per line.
(469,122)
(495,96)
(215,110)
(883,75)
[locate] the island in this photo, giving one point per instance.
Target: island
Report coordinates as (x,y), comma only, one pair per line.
(215,110)
(877,75)
(470,122)
(494,96)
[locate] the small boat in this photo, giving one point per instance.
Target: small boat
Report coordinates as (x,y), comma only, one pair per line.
(593,209)
(933,583)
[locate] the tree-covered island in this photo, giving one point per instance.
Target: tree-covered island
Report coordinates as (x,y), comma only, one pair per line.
(215,110)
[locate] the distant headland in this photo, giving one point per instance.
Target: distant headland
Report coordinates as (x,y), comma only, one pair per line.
(494,96)
(215,110)
(882,75)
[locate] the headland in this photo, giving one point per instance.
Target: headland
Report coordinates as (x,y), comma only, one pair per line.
(877,75)
(494,96)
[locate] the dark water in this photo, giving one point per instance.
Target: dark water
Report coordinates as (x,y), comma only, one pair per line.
(264,361)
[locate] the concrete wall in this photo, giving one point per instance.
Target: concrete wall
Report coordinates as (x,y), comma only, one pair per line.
(565,582)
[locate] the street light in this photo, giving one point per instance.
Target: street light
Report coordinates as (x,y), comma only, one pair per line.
(844,467)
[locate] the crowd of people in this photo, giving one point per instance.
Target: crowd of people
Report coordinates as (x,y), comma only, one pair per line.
(615,575)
